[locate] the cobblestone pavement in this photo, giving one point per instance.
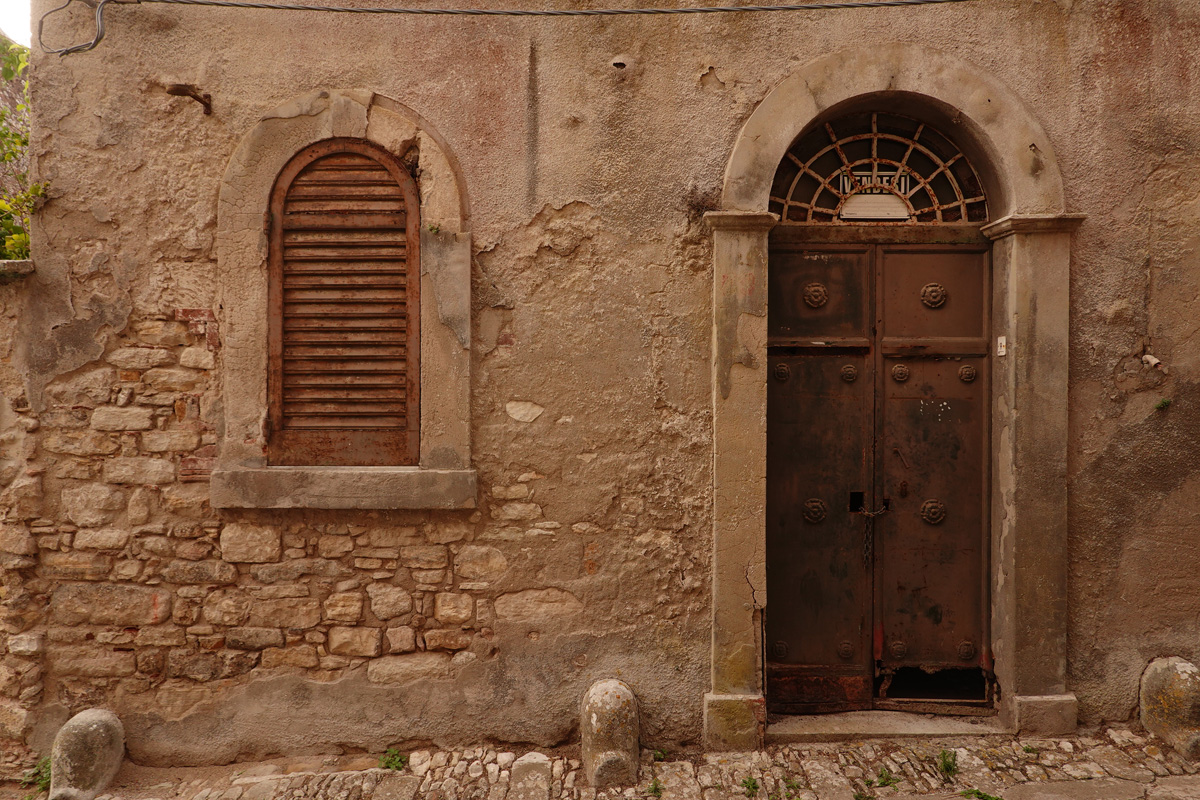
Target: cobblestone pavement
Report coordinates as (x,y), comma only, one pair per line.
(1114,764)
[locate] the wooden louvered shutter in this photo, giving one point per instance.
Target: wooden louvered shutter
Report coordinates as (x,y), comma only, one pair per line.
(343,379)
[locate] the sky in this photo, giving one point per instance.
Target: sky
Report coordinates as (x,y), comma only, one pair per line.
(14,20)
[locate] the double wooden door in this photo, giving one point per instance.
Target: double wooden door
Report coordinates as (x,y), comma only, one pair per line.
(877,503)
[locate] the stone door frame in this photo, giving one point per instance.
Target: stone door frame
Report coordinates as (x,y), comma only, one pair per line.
(1031,254)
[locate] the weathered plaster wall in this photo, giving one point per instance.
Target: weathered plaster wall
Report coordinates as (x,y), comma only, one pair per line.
(590,149)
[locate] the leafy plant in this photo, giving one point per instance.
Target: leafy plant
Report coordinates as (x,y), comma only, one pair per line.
(655,788)
(392,759)
(38,778)
(793,786)
(947,764)
(979,795)
(886,778)
(864,796)
(18,196)
(660,755)
(1163,404)
(750,785)
(1030,749)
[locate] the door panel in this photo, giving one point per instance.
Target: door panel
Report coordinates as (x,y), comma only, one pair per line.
(929,547)
(820,294)
(818,579)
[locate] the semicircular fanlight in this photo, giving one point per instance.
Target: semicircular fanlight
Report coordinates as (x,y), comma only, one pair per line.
(876,167)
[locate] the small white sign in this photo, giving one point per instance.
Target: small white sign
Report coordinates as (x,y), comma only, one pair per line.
(1002,346)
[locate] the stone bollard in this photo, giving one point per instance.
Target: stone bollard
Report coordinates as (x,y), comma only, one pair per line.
(87,753)
(609,722)
(1170,704)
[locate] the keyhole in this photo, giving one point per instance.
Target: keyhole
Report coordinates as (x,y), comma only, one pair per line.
(904,488)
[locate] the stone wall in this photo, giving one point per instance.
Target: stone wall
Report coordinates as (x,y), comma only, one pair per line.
(590,151)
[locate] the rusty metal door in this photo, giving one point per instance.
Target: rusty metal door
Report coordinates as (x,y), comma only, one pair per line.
(876,463)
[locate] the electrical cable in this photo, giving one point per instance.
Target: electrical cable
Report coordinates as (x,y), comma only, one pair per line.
(476,12)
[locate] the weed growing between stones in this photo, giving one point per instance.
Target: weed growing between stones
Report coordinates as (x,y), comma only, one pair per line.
(978,794)
(885,779)
(38,778)
(947,764)
(660,755)
(1030,749)
(655,789)
(864,796)
(794,787)
(750,785)
(392,759)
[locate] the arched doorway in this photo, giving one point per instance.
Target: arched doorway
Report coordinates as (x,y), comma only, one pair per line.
(878,409)
(1030,236)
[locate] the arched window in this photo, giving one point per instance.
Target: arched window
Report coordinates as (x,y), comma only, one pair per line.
(344,376)
(877,167)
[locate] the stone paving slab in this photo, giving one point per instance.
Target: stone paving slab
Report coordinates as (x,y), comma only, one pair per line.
(1115,764)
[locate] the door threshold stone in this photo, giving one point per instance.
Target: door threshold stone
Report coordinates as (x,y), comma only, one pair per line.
(850,725)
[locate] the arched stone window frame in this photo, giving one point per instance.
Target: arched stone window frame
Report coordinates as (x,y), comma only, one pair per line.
(444,477)
(1031,255)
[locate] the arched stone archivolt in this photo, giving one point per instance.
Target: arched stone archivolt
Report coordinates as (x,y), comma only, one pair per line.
(443,478)
(1030,261)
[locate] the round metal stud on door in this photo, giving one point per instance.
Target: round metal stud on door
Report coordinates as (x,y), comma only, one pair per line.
(845,650)
(815,295)
(779,649)
(782,372)
(900,373)
(966,650)
(849,373)
(934,295)
(814,510)
(933,511)
(967,373)
(899,650)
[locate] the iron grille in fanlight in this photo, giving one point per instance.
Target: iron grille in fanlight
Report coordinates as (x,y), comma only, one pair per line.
(876,167)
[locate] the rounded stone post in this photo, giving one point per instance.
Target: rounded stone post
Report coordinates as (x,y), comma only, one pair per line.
(86,755)
(610,728)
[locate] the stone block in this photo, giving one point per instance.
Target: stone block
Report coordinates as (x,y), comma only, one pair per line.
(397,787)
(1103,789)
(480,562)
(424,556)
(354,641)
(415,667)
(199,572)
(138,470)
(139,358)
(289,612)
(226,607)
(388,601)
(304,656)
(610,730)
(90,661)
(102,539)
(536,605)
(162,332)
(452,608)
(447,639)
(344,606)
(1170,704)
(109,604)
(334,546)
(92,504)
(79,443)
(185,499)
(530,779)
(198,358)
(518,491)
(195,666)
(1046,715)
(249,543)
(27,644)
(393,537)
(517,512)
(173,379)
(446,532)
(86,755)
(734,721)
(166,636)
(170,441)
(290,571)
(402,639)
(1181,787)
(76,566)
(14,719)
(253,638)
(16,538)
(129,418)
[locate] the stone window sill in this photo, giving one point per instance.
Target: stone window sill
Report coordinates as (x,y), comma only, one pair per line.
(12,270)
(343,487)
